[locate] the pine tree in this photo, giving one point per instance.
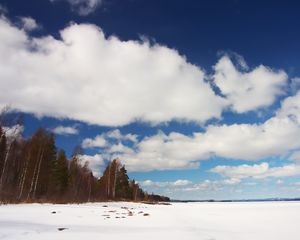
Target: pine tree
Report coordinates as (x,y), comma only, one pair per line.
(74,178)
(123,190)
(31,169)
(49,170)
(62,178)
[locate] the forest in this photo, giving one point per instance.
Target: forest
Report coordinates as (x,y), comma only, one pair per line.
(35,170)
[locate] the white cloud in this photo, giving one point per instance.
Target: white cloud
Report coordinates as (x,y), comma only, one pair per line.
(119,148)
(250,141)
(29,24)
(257,171)
(161,152)
(291,108)
(248,91)
(295,156)
(83,7)
(212,185)
(177,183)
(98,80)
(295,84)
(181,182)
(13,131)
(275,137)
(96,163)
(98,141)
(103,140)
(116,134)
(63,130)
(242,171)
(279,182)
(107,81)
(231,181)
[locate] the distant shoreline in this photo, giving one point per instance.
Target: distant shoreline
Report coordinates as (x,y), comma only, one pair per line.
(239,200)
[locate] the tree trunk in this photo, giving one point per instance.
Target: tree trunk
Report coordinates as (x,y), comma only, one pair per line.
(90,188)
(115,181)
(38,173)
(4,166)
(135,194)
(34,173)
(23,178)
(108,182)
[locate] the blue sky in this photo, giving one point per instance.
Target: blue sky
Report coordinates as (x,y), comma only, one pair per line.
(198,99)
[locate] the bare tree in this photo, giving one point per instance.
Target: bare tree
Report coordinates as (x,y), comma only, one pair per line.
(11,139)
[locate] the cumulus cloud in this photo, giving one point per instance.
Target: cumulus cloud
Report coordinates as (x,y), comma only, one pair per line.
(103,80)
(161,152)
(231,181)
(98,141)
(29,24)
(257,171)
(63,130)
(89,77)
(212,185)
(248,90)
(116,134)
(119,148)
(98,80)
(13,132)
(295,156)
(177,183)
(295,84)
(242,171)
(291,108)
(104,139)
(277,136)
(83,7)
(96,163)
(178,151)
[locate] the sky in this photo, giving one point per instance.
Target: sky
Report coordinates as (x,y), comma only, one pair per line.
(199,99)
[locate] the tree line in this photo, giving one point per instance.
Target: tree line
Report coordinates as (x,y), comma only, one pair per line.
(35,170)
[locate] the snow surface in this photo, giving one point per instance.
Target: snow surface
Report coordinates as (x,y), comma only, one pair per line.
(180,221)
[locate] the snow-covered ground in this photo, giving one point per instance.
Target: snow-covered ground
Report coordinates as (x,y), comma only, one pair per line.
(184,221)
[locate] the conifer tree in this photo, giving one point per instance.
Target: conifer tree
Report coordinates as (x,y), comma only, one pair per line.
(62,177)
(123,190)
(51,167)
(31,169)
